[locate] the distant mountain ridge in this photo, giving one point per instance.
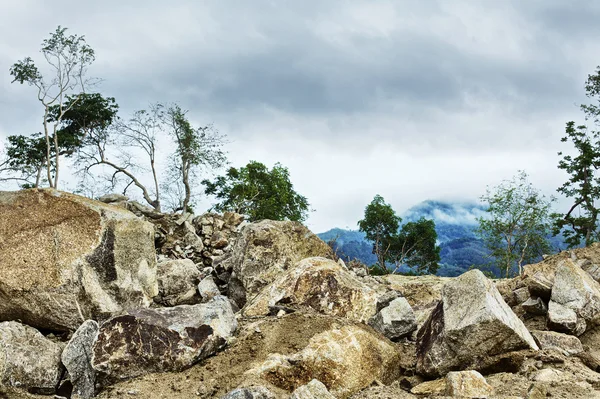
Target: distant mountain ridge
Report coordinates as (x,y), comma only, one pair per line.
(456,225)
(455,222)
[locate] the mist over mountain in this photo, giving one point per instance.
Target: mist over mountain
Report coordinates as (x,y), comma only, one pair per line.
(455,225)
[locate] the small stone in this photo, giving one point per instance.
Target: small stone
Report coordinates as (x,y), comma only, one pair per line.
(467,384)
(208,289)
(567,344)
(535,306)
(315,389)
(395,321)
(521,295)
(110,198)
(564,319)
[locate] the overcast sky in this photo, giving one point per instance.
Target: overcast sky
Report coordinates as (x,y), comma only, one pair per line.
(413,100)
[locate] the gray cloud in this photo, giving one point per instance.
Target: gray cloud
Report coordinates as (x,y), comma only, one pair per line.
(416,99)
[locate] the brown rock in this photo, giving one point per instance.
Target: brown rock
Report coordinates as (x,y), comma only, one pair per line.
(267,249)
(28,360)
(346,360)
(177,282)
(156,340)
(320,284)
(65,259)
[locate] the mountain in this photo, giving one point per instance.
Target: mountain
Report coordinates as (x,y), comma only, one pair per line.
(455,224)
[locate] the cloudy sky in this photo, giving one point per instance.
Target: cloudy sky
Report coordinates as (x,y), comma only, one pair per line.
(413,100)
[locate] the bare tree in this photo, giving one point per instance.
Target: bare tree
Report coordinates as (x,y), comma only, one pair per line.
(195,148)
(68,57)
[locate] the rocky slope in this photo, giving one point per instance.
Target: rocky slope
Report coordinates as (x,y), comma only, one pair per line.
(112,299)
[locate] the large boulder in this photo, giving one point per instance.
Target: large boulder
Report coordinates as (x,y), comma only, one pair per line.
(575,290)
(157,340)
(346,360)
(77,357)
(322,285)
(177,282)
(28,360)
(65,259)
(471,323)
(264,251)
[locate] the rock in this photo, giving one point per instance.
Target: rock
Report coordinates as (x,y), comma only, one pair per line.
(313,390)
(470,323)
(28,360)
(548,375)
(535,306)
(218,241)
(233,219)
(177,282)
(430,388)
(521,295)
(110,198)
(564,319)
(65,259)
(395,321)
(576,290)
(566,344)
(76,358)
(539,278)
(159,340)
(346,360)
(250,393)
(208,289)
(321,284)
(267,249)
(467,384)
(422,293)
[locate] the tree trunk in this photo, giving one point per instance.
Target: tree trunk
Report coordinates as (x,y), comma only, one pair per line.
(48,157)
(186,185)
(56,157)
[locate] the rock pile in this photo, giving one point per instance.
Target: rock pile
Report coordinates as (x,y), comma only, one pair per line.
(233,309)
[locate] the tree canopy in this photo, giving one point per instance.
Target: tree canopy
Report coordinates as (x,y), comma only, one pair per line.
(258,192)
(517,225)
(413,244)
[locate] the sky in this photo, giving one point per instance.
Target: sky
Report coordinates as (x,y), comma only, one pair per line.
(412,100)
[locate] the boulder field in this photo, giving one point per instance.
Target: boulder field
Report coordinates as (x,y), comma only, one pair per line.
(111,299)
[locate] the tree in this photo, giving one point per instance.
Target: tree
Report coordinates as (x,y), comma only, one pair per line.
(580,223)
(380,224)
(517,224)
(413,245)
(137,133)
(416,247)
(24,160)
(258,192)
(68,57)
(195,148)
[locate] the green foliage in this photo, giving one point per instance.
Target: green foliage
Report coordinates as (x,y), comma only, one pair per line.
(195,147)
(517,223)
(413,245)
(580,223)
(67,57)
(258,192)
(82,114)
